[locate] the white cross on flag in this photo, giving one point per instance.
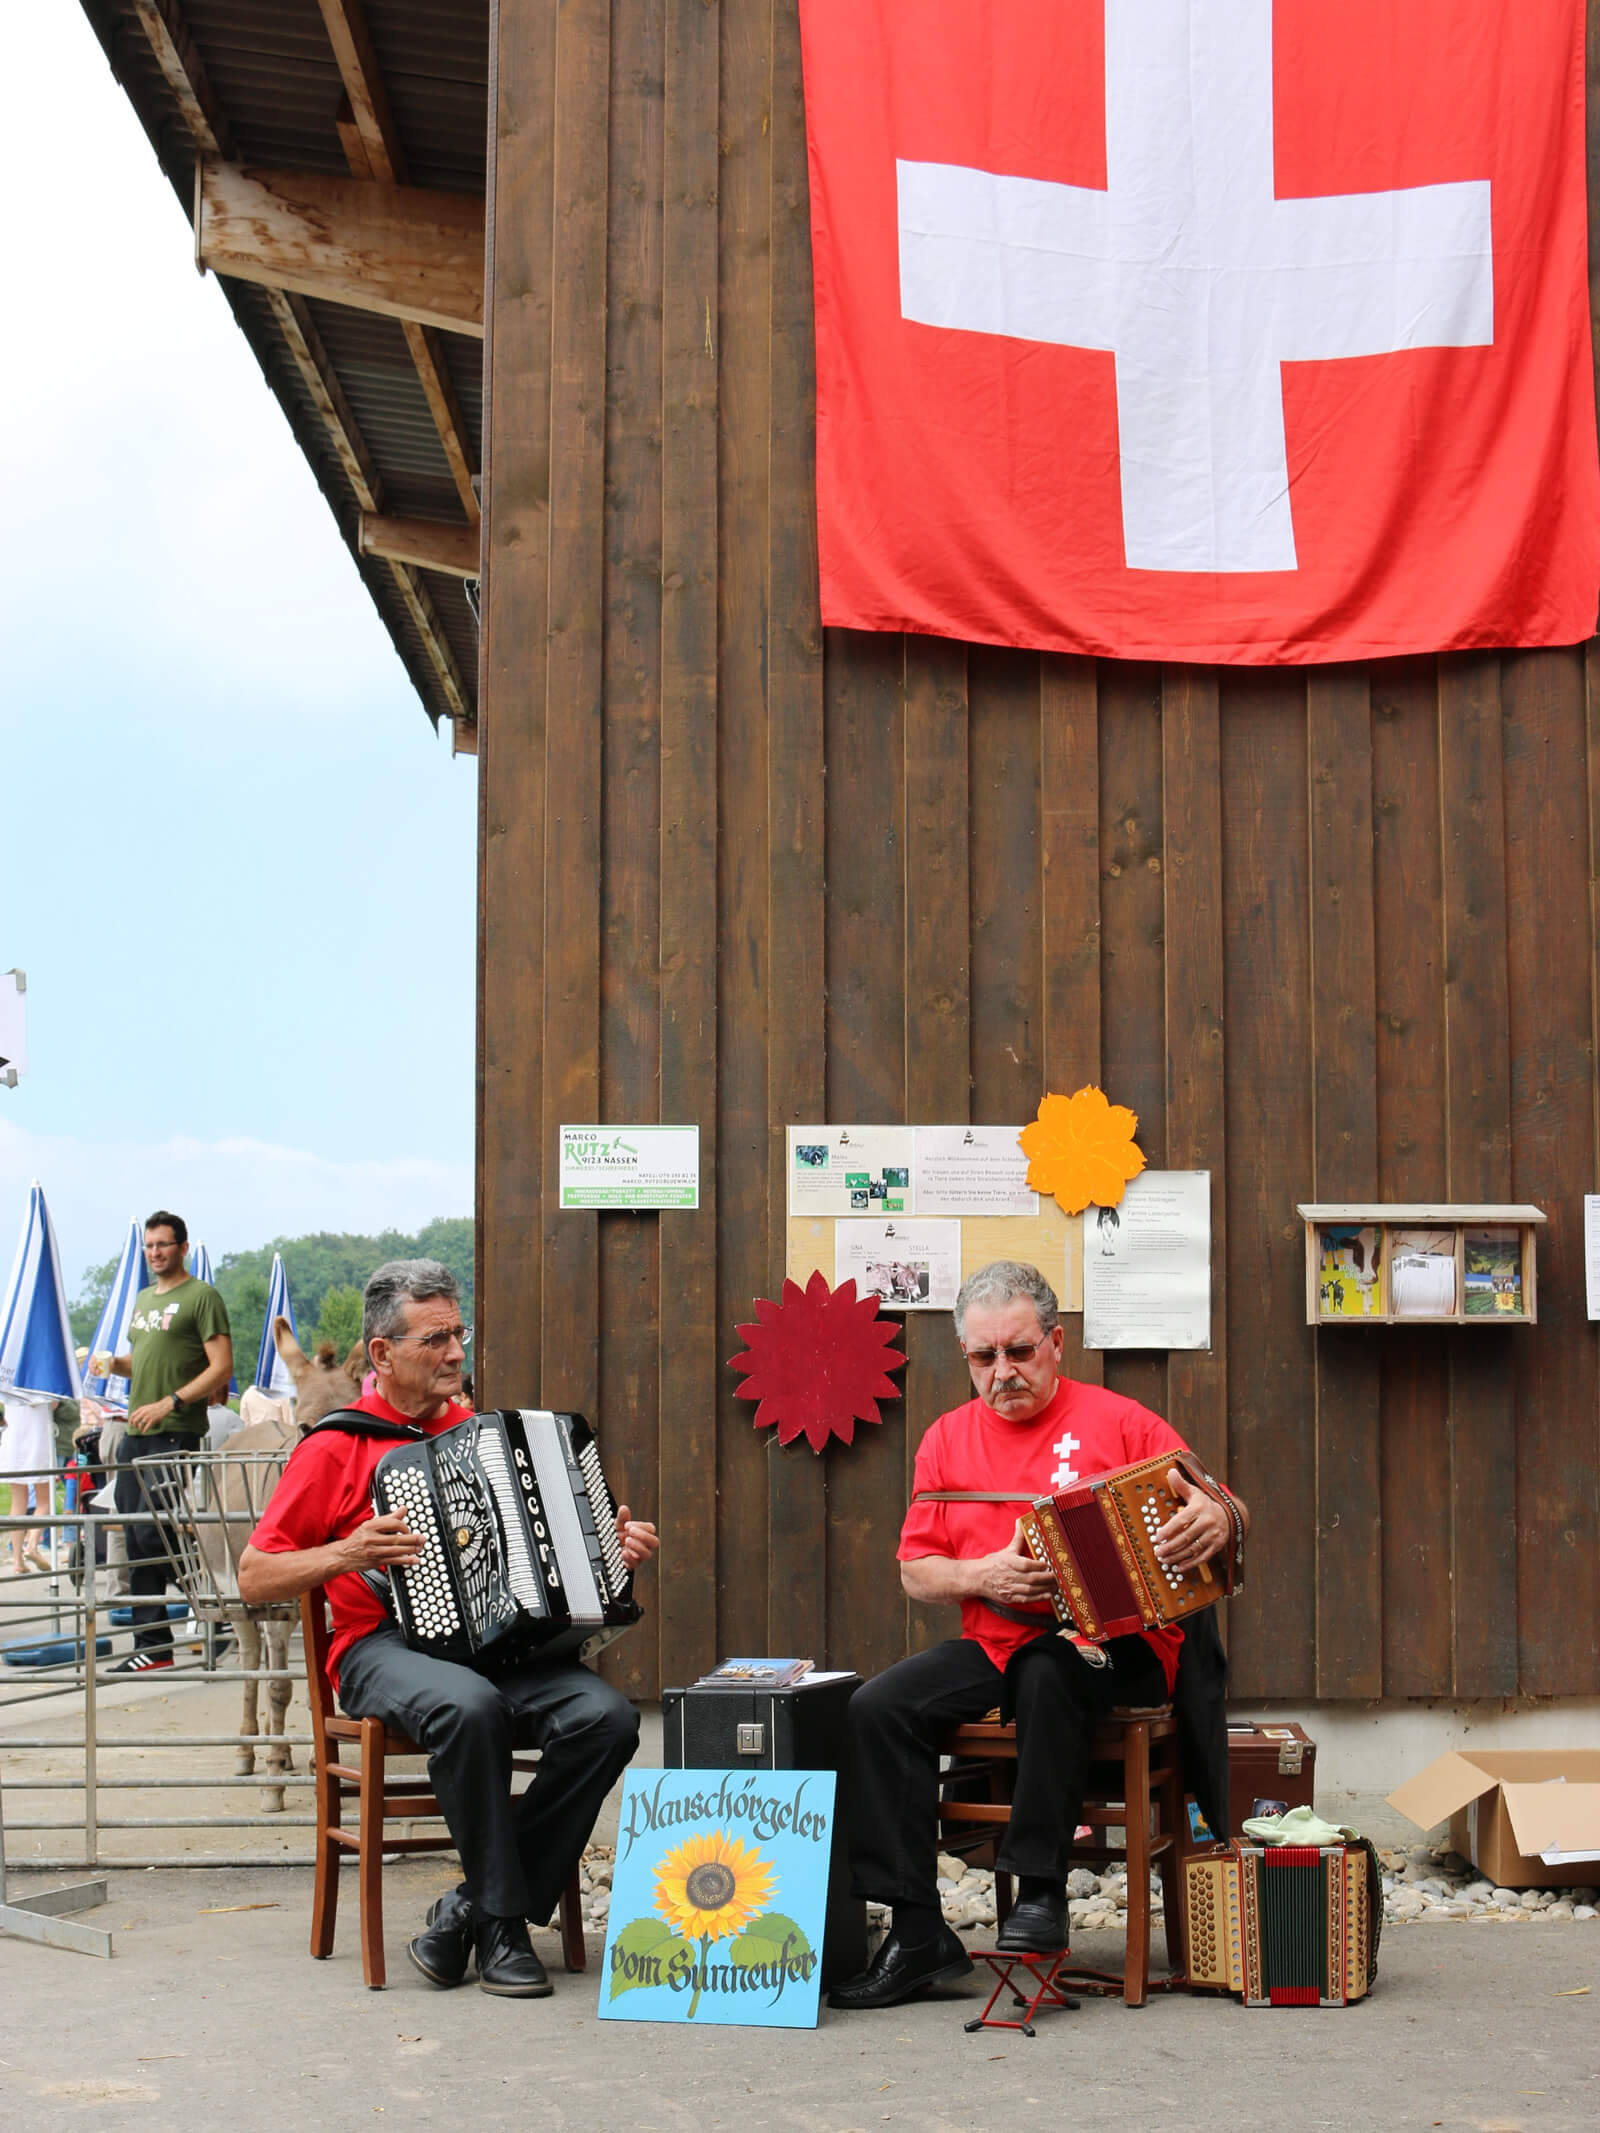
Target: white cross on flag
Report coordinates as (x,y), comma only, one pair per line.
(1232,330)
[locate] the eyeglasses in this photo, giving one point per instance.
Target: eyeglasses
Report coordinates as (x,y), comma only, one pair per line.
(1013,1351)
(436,1343)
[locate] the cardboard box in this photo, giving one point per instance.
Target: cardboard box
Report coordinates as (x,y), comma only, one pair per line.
(1507,1806)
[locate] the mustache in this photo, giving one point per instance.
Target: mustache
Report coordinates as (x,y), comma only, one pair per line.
(1007,1385)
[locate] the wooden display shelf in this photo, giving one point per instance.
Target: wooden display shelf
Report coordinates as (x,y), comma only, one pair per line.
(1350,1277)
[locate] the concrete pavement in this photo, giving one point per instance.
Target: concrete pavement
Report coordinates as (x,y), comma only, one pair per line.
(211,2017)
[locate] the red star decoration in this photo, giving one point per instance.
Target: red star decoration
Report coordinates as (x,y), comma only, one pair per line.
(817,1362)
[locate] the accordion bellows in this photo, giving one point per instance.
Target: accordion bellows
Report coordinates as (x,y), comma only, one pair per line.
(1286,1925)
(1098,1542)
(523,1559)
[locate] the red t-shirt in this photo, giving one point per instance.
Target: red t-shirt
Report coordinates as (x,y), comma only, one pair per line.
(1084,1431)
(325,1493)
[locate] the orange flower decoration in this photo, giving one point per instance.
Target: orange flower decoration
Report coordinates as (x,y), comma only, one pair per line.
(1081,1148)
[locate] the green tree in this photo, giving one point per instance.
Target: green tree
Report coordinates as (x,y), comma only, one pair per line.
(319,1266)
(91,1301)
(246,1299)
(340,1323)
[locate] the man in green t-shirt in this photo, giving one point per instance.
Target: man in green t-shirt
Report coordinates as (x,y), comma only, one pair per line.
(180,1352)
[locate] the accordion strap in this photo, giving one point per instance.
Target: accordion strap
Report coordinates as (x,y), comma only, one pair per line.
(1184,1460)
(352,1422)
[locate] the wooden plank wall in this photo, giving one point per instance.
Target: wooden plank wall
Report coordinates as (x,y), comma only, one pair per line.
(1331,934)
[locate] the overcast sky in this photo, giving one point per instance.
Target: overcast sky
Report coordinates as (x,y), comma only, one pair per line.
(235,862)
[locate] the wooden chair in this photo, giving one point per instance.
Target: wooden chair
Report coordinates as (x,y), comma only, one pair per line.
(380,1799)
(1135,1785)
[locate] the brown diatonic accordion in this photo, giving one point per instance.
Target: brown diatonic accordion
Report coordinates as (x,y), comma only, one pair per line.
(1290,1925)
(523,1561)
(1098,1541)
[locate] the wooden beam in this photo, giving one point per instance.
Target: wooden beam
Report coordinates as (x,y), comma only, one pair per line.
(179,60)
(428,356)
(422,542)
(384,248)
(372,148)
(184,70)
(423,613)
(346,24)
(305,345)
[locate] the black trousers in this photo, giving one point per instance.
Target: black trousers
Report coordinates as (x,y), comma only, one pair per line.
(516,1854)
(897,1719)
(150,1546)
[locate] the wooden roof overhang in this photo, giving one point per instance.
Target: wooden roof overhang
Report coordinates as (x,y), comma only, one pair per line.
(331,156)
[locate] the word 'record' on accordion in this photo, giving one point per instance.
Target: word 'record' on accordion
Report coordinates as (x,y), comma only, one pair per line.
(1098,1542)
(1289,1925)
(523,1563)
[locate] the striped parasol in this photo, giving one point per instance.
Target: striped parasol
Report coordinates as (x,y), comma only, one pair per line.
(272,1372)
(111,1333)
(200,1268)
(36,1352)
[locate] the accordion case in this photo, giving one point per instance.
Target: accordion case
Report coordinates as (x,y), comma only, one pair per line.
(1098,1541)
(1285,1925)
(523,1562)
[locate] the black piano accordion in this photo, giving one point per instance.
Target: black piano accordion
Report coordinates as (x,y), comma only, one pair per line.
(523,1564)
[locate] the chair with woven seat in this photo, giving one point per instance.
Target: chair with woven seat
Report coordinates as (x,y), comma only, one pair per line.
(381,1798)
(1135,1785)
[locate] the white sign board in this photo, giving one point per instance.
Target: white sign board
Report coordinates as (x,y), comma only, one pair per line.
(1147,1264)
(631,1168)
(908,1266)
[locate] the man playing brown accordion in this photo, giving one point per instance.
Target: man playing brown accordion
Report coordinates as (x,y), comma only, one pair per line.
(1032,1431)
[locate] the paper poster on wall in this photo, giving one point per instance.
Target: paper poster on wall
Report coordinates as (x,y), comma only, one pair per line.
(908,1266)
(971,1170)
(1147,1264)
(850,1170)
(1591,1250)
(630,1168)
(719,1897)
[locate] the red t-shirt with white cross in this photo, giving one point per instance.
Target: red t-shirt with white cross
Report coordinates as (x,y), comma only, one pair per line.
(1083,1432)
(325,1494)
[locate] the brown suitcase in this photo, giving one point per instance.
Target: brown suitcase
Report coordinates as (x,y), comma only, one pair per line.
(1268,1761)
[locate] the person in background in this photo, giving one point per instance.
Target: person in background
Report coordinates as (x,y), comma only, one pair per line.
(180,1354)
(26,1449)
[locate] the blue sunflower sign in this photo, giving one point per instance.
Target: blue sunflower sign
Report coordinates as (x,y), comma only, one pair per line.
(719,1897)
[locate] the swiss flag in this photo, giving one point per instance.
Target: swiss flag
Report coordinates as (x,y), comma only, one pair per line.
(1217,330)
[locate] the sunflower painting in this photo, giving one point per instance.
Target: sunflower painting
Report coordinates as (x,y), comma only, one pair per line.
(693,1933)
(712,1886)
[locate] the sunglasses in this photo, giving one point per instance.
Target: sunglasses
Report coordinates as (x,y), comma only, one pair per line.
(1013,1351)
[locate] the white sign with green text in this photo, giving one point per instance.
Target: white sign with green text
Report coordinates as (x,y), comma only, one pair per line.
(633,1168)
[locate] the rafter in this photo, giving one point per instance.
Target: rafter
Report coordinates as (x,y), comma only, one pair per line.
(184,71)
(388,248)
(180,62)
(371,142)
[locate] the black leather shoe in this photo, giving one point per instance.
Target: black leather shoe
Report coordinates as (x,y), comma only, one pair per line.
(443,1951)
(507,1964)
(1036,1927)
(899,1973)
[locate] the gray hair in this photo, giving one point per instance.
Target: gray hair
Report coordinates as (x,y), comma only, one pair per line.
(397,1283)
(998,1283)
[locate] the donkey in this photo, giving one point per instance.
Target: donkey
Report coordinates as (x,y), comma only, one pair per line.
(321,1384)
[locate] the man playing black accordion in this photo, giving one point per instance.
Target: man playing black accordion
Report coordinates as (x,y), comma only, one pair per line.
(319,1529)
(1032,1431)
